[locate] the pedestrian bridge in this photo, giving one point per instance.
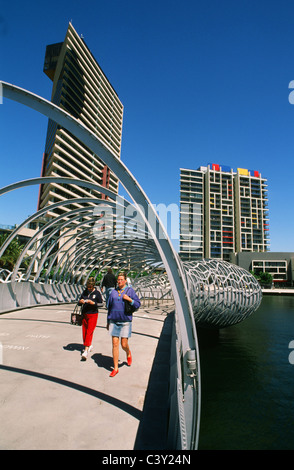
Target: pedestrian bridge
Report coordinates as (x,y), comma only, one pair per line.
(66,249)
(51,400)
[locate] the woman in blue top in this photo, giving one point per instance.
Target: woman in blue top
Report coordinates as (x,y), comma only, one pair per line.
(119,323)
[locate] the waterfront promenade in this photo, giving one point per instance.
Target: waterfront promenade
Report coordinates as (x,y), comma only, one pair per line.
(277,291)
(51,400)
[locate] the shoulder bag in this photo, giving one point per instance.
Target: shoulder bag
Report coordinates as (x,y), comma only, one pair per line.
(129,308)
(76,317)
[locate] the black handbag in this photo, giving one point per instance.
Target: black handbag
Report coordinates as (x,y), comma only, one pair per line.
(76,317)
(129,308)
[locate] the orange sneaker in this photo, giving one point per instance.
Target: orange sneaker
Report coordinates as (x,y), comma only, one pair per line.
(129,359)
(113,373)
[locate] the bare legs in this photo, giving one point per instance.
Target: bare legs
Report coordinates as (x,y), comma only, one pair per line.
(115,350)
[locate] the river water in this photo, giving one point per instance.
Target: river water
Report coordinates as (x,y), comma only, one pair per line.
(248,381)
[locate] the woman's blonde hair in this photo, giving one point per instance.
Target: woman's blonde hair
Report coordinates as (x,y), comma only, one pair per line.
(122,274)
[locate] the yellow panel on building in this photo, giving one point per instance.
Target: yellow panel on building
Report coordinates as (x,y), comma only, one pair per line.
(243,171)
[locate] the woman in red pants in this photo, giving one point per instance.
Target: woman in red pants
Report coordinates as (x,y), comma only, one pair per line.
(90,299)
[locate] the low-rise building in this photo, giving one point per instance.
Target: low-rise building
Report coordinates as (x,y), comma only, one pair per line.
(279,264)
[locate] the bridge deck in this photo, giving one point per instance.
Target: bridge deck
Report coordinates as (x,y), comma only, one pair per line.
(50,399)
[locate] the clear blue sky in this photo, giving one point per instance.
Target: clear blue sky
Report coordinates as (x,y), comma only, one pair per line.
(201,81)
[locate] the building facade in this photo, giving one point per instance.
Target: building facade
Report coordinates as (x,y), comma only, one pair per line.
(81,88)
(222,212)
(279,264)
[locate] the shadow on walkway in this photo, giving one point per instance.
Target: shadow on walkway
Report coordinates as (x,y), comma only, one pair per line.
(81,388)
(152,431)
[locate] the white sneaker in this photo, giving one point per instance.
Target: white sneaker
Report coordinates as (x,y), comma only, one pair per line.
(84,355)
(90,348)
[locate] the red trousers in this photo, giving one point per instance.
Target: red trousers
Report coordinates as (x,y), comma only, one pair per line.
(89,325)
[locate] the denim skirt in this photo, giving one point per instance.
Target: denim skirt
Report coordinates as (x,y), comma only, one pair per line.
(120,329)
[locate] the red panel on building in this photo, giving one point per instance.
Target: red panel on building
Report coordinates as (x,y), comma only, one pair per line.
(105,180)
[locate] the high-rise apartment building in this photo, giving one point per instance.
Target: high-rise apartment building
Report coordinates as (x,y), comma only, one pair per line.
(81,88)
(251,211)
(222,212)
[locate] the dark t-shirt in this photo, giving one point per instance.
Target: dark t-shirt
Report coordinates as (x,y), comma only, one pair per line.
(95,296)
(109,280)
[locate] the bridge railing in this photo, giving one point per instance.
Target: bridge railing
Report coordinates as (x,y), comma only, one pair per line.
(183,369)
(14,295)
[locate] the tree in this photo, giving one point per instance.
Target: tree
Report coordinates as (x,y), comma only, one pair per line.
(11,254)
(263,278)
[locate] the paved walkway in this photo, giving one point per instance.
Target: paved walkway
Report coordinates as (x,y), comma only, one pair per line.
(50,399)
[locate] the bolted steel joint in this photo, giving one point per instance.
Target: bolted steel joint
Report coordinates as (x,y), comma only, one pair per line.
(191,362)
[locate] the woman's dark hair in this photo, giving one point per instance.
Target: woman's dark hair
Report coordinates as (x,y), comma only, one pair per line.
(91,281)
